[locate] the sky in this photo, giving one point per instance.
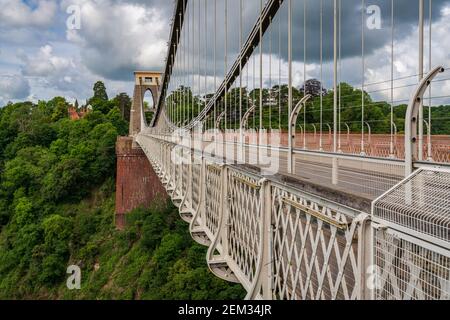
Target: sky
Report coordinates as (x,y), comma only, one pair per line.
(40,57)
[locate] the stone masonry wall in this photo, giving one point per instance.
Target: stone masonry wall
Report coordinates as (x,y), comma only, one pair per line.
(137,183)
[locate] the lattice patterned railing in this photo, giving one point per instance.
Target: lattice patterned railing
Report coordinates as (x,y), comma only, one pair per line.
(196,183)
(315,250)
(282,243)
(213,197)
(244,216)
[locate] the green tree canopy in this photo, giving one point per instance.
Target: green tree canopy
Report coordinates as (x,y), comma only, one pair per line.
(100,91)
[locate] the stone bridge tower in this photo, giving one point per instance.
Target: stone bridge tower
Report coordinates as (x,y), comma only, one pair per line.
(137,184)
(143,81)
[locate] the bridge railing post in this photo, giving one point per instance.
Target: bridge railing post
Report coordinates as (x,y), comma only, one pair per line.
(179,171)
(224,231)
(160,154)
(267,230)
(262,286)
(365,254)
(164,158)
(202,204)
(164,161)
(172,167)
(191,175)
(190,164)
(168,163)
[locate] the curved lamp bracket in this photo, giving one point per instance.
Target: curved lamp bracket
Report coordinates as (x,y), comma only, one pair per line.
(246,116)
(219,120)
(411,119)
(295,113)
(292,122)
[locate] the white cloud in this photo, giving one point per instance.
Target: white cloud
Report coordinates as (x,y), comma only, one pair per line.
(446,11)
(406,64)
(16,14)
(55,70)
(13,87)
(117,38)
(45,63)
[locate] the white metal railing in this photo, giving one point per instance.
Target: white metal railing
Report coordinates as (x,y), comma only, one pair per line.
(283,243)
(279,243)
(365,176)
(411,238)
(409,268)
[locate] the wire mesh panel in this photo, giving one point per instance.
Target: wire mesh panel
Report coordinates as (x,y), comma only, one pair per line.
(411,245)
(440,152)
(420,203)
(409,271)
(314,250)
(245,217)
(368,178)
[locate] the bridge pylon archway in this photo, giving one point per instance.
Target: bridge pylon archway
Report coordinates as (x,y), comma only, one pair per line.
(144,81)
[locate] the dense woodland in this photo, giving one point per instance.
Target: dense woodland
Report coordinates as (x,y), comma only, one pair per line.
(275,108)
(57,205)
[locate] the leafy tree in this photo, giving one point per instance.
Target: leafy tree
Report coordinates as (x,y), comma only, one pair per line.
(26,171)
(24,212)
(123,101)
(60,107)
(114,116)
(99,101)
(313,87)
(100,91)
(57,233)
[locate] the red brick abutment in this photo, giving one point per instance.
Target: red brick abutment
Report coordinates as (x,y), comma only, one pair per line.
(137,184)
